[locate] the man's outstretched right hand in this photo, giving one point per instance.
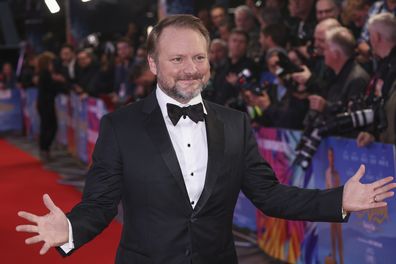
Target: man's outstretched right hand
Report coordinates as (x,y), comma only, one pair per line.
(52,228)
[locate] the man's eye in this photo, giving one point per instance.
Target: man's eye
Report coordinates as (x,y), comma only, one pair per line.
(200,58)
(176,60)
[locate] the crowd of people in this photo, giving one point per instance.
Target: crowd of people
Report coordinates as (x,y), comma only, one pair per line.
(288,64)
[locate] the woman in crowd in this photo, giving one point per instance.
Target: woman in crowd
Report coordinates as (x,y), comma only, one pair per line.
(47,90)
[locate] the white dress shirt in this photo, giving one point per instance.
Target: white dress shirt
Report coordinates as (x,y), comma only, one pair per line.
(190,143)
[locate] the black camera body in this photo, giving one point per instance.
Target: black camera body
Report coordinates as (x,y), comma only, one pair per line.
(361,114)
(286,69)
(247,82)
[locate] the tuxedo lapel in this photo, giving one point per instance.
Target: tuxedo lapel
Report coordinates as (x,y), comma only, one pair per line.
(215,136)
(156,128)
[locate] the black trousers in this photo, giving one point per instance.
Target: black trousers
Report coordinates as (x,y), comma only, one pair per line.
(48,124)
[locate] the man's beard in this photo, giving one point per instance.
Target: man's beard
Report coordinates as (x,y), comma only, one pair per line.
(182,94)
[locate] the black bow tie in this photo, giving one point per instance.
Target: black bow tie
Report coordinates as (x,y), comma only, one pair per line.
(194,112)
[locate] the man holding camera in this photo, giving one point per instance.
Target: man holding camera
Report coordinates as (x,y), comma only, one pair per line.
(316,76)
(350,80)
(279,101)
(382,29)
(227,89)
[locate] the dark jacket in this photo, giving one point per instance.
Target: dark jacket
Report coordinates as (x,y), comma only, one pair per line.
(348,84)
(87,78)
(288,113)
(387,73)
(134,162)
(47,89)
(224,92)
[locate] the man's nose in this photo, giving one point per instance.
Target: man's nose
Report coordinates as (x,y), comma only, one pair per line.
(190,66)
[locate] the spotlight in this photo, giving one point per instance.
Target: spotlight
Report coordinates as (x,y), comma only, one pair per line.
(52,5)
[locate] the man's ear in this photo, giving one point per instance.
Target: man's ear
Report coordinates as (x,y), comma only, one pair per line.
(152,64)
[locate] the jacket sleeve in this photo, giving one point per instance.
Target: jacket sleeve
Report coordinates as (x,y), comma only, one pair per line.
(262,188)
(102,192)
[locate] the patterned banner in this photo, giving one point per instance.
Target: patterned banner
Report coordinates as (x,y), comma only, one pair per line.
(291,241)
(72,124)
(81,135)
(10,110)
(62,108)
(78,119)
(96,109)
(369,236)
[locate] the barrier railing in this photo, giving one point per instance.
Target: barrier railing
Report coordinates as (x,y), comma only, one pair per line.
(78,119)
(10,110)
(78,123)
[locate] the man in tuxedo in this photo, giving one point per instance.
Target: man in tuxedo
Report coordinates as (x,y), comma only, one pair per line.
(177,163)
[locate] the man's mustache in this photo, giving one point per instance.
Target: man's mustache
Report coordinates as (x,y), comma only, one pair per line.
(190,77)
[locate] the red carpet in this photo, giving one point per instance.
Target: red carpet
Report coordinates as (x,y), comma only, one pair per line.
(23,181)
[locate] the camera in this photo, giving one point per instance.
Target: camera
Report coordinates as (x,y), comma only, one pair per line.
(373,114)
(286,66)
(310,141)
(286,69)
(248,83)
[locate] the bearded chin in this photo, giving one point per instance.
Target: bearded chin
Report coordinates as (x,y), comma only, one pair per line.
(180,94)
(187,95)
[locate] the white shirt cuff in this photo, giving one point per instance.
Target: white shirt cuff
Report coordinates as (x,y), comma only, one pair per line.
(344,213)
(68,246)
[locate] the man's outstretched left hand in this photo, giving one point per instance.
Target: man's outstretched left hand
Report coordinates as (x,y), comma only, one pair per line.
(358,196)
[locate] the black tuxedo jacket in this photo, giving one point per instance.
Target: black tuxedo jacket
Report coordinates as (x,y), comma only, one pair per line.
(134,161)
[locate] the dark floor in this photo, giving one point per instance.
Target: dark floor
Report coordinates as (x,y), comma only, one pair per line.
(72,172)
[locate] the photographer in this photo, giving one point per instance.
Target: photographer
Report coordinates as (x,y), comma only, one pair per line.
(66,67)
(379,7)
(303,23)
(350,80)
(272,36)
(280,104)
(87,74)
(382,29)
(218,59)
(226,88)
(327,9)
(245,20)
(316,75)
(123,88)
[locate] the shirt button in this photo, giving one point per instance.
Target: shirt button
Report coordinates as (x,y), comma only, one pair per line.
(187,252)
(184,117)
(188,145)
(192,202)
(192,173)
